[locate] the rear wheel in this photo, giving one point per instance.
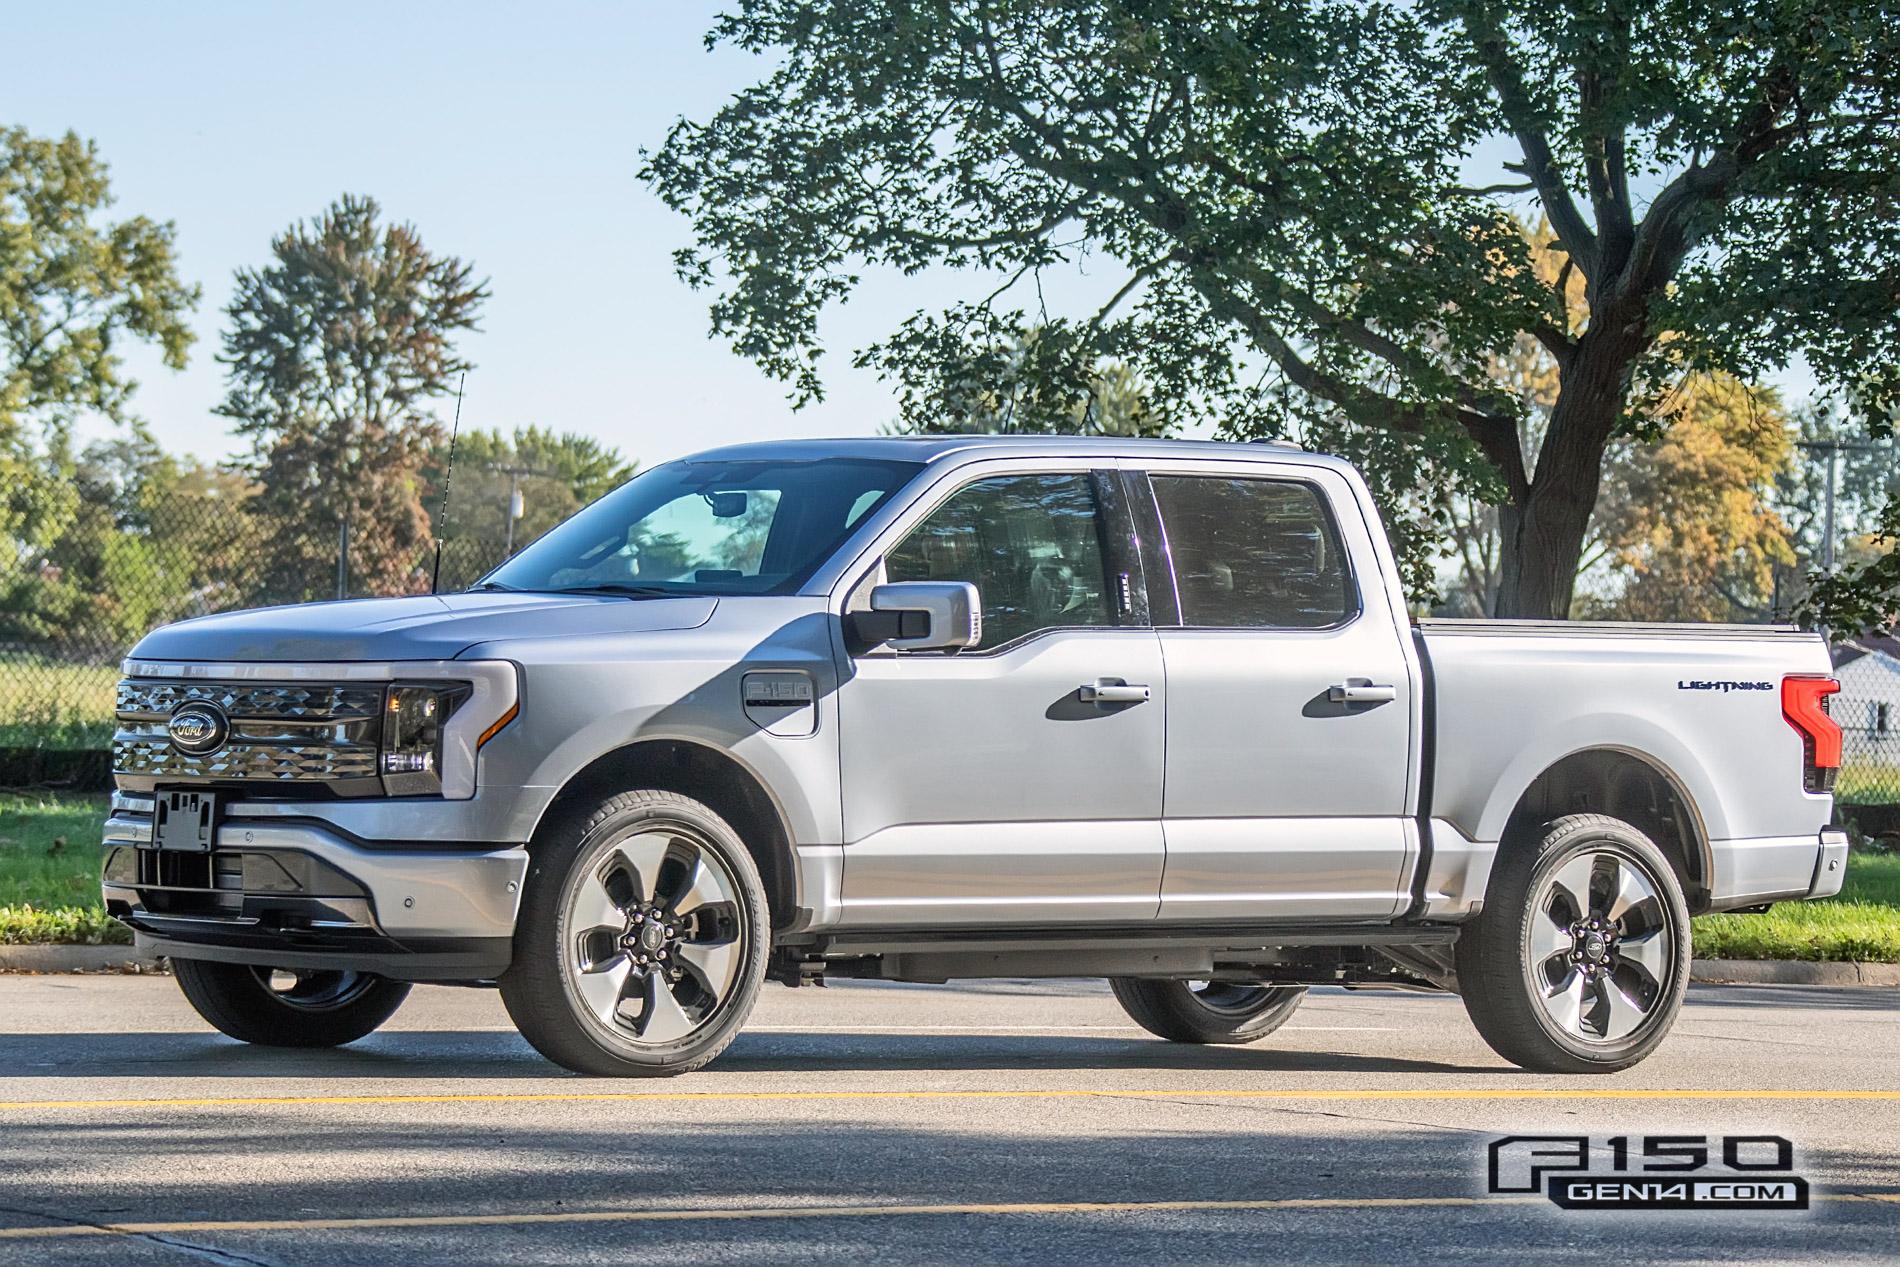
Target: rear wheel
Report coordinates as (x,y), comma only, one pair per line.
(288,1007)
(1580,958)
(642,938)
(1206,1011)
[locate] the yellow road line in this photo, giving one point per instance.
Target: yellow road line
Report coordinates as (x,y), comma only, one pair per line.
(1060,1093)
(740,1212)
(725,1213)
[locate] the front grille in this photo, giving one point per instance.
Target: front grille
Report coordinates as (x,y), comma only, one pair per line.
(149,700)
(278,762)
(284,738)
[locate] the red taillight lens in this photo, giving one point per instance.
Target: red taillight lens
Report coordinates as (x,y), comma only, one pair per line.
(1804,704)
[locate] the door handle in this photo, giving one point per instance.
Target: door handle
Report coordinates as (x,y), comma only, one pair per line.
(1361,691)
(1112,690)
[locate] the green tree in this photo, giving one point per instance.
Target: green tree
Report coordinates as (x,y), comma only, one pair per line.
(149,539)
(555,473)
(73,286)
(1283,188)
(334,353)
(990,398)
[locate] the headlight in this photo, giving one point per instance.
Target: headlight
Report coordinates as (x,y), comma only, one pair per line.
(413,721)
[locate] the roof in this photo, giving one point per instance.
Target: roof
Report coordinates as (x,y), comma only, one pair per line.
(1848,650)
(934,448)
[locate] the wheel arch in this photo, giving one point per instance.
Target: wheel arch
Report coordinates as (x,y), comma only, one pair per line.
(1629,785)
(707,774)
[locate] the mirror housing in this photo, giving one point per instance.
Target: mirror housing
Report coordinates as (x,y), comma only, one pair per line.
(727,505)
(920,616)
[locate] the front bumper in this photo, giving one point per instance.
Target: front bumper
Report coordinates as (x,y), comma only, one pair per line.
(300,894)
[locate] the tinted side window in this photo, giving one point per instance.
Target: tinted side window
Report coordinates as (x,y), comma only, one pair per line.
(1030,544)
(1253,553)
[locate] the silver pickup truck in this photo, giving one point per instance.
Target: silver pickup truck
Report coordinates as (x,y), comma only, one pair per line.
(937,708)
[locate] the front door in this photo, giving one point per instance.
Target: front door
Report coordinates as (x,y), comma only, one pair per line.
(982,787)
(1289,726)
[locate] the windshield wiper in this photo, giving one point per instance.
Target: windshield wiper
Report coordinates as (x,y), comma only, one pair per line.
(497,586)
(628,591)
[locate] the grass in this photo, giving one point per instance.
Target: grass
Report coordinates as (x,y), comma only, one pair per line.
(1862,923)
(49,892)
(49,871)
(46,704)
(1864,783)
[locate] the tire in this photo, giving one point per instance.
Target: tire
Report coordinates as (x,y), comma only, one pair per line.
(289,1007)
(1579,961)
(1206,1011)
(642,938)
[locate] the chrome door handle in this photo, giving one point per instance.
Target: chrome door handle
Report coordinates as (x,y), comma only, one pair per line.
(1112,690)
(1361,691)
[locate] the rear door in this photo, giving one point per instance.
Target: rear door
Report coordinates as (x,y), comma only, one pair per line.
(1290,696)
(979,787)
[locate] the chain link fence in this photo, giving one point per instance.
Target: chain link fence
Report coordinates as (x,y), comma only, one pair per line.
(1870,747)
(87,569)
(88,566)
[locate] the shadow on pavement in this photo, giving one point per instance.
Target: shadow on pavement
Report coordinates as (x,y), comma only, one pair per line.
(400,1053)
(279,1164)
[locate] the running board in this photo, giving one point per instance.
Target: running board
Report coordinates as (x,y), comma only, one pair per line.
(1175,953)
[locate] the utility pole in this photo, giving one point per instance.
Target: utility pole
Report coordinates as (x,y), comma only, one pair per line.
(1832,449)
(515,504)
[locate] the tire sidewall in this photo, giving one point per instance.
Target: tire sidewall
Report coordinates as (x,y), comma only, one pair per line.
(1257,1022)
(1634,848)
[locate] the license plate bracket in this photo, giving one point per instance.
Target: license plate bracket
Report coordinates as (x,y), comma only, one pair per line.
(184,822)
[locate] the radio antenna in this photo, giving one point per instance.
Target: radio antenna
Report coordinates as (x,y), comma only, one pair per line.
(448,477)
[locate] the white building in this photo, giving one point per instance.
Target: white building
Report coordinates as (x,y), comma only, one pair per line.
(1868,707)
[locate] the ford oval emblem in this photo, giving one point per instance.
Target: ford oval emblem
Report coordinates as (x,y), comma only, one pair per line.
(197,728)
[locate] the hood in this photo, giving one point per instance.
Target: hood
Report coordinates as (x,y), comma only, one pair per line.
(428,627)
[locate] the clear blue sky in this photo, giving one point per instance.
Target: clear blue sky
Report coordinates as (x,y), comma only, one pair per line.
(508,135)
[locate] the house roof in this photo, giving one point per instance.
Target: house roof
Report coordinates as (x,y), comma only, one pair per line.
(1848,650)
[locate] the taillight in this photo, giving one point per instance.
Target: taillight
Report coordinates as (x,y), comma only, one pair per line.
(1804,704)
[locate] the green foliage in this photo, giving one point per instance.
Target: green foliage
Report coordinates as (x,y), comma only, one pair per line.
(1864,597)
(556,474)
(148,538)
(1279,190)
(73,286)
(334,352)
(61,926)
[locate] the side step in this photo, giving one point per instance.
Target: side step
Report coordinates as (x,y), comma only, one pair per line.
(1318,954)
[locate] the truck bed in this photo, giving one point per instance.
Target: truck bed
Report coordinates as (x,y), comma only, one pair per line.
(1700,704)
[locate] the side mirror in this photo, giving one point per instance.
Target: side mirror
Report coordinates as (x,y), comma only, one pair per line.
(920,616)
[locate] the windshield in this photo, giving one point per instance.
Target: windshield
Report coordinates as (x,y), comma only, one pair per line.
(758,527)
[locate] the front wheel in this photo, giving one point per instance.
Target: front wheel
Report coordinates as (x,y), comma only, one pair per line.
(1579,961)
(642,938)
(1206,1011)
(295,1007)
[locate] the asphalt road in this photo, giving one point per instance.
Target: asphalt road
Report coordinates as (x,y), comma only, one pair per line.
(1010,1122)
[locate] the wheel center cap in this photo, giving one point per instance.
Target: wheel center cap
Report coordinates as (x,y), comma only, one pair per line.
(1594,948)
(652,937)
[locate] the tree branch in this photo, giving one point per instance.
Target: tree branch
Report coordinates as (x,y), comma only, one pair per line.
(1493,49)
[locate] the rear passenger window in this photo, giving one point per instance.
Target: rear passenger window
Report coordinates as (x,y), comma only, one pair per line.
(1253,553)
(1031,544)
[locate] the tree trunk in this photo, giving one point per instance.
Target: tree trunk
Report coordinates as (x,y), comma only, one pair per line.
(1543,531)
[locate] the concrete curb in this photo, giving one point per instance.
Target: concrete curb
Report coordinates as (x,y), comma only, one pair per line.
(1792,972)
(75,959)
